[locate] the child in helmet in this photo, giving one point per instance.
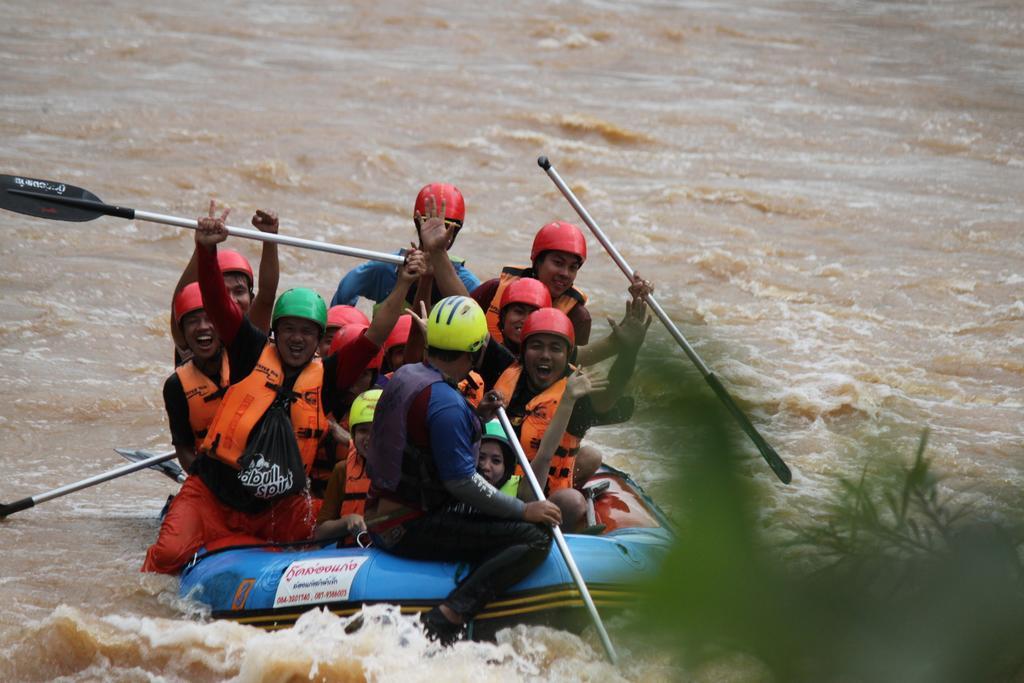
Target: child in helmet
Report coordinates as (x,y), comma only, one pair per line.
(497,459)
(238,278)
(345,500)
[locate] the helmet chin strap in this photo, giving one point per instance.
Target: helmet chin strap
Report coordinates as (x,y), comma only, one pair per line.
(478,357)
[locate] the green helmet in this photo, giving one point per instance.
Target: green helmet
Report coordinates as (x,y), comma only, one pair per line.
(301,302)
(494,430)
(457,323)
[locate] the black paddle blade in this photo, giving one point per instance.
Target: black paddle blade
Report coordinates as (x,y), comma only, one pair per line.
(169,468)
(778,465)
(16,506)
(12,199)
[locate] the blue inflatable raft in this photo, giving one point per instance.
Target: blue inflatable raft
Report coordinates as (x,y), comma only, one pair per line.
(270,587)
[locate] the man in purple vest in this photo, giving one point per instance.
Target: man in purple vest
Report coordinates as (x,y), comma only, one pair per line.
(422,460)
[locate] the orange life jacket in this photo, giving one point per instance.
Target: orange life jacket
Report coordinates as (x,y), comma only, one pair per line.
(532,425)
(472,388)
(566,301)
(203,394)
(328,454)
(246,401)
(357,483)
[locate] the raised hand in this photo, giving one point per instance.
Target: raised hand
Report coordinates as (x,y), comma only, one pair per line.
(420,318)
(265,221)
(429,270)
(353,523)
(542,512)
(489,405)
(631,331)
(436,234)
(212,229)
(580,383)
(640,288)
(415,265)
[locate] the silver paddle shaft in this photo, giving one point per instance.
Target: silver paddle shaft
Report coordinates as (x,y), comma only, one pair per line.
(777,464)
(249,233)
(100,478)
(563,547)
(624,267)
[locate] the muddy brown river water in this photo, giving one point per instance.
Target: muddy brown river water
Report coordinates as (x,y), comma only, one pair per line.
(827,195)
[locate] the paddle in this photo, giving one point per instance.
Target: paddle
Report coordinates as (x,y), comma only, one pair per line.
(32,501)
(168,468)
(771,457)
(563,547)
(63,202)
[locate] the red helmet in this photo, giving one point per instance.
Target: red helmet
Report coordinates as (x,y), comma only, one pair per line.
(340,316)
(527,291)
(347,337)
(454,205)
(549,321)
(560,236)
(399,333)
(233,262)
(187,300)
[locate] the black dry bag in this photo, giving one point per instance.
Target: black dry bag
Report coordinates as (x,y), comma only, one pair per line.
(271,466)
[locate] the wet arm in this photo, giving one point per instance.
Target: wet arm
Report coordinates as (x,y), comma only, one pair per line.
(186,456)
(451,433)
(221,308)
(592,354)
(176,407)
(448,282)
(618,377)
(270,274)
(541,462)
(330,523)
(467,277)
(414,347)
(391,308)
(476,491)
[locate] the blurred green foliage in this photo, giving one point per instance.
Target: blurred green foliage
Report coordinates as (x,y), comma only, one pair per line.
(891,583)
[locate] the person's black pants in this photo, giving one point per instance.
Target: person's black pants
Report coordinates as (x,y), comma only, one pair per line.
(505,551)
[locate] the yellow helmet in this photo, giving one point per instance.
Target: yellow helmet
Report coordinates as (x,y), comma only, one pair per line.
(457,323)
(363,407)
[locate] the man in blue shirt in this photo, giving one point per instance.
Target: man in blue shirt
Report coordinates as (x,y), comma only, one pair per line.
(374,280)
(422,463)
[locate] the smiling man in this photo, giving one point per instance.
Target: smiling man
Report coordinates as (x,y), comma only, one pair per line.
(535,387)
(422,464)
(194,390)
